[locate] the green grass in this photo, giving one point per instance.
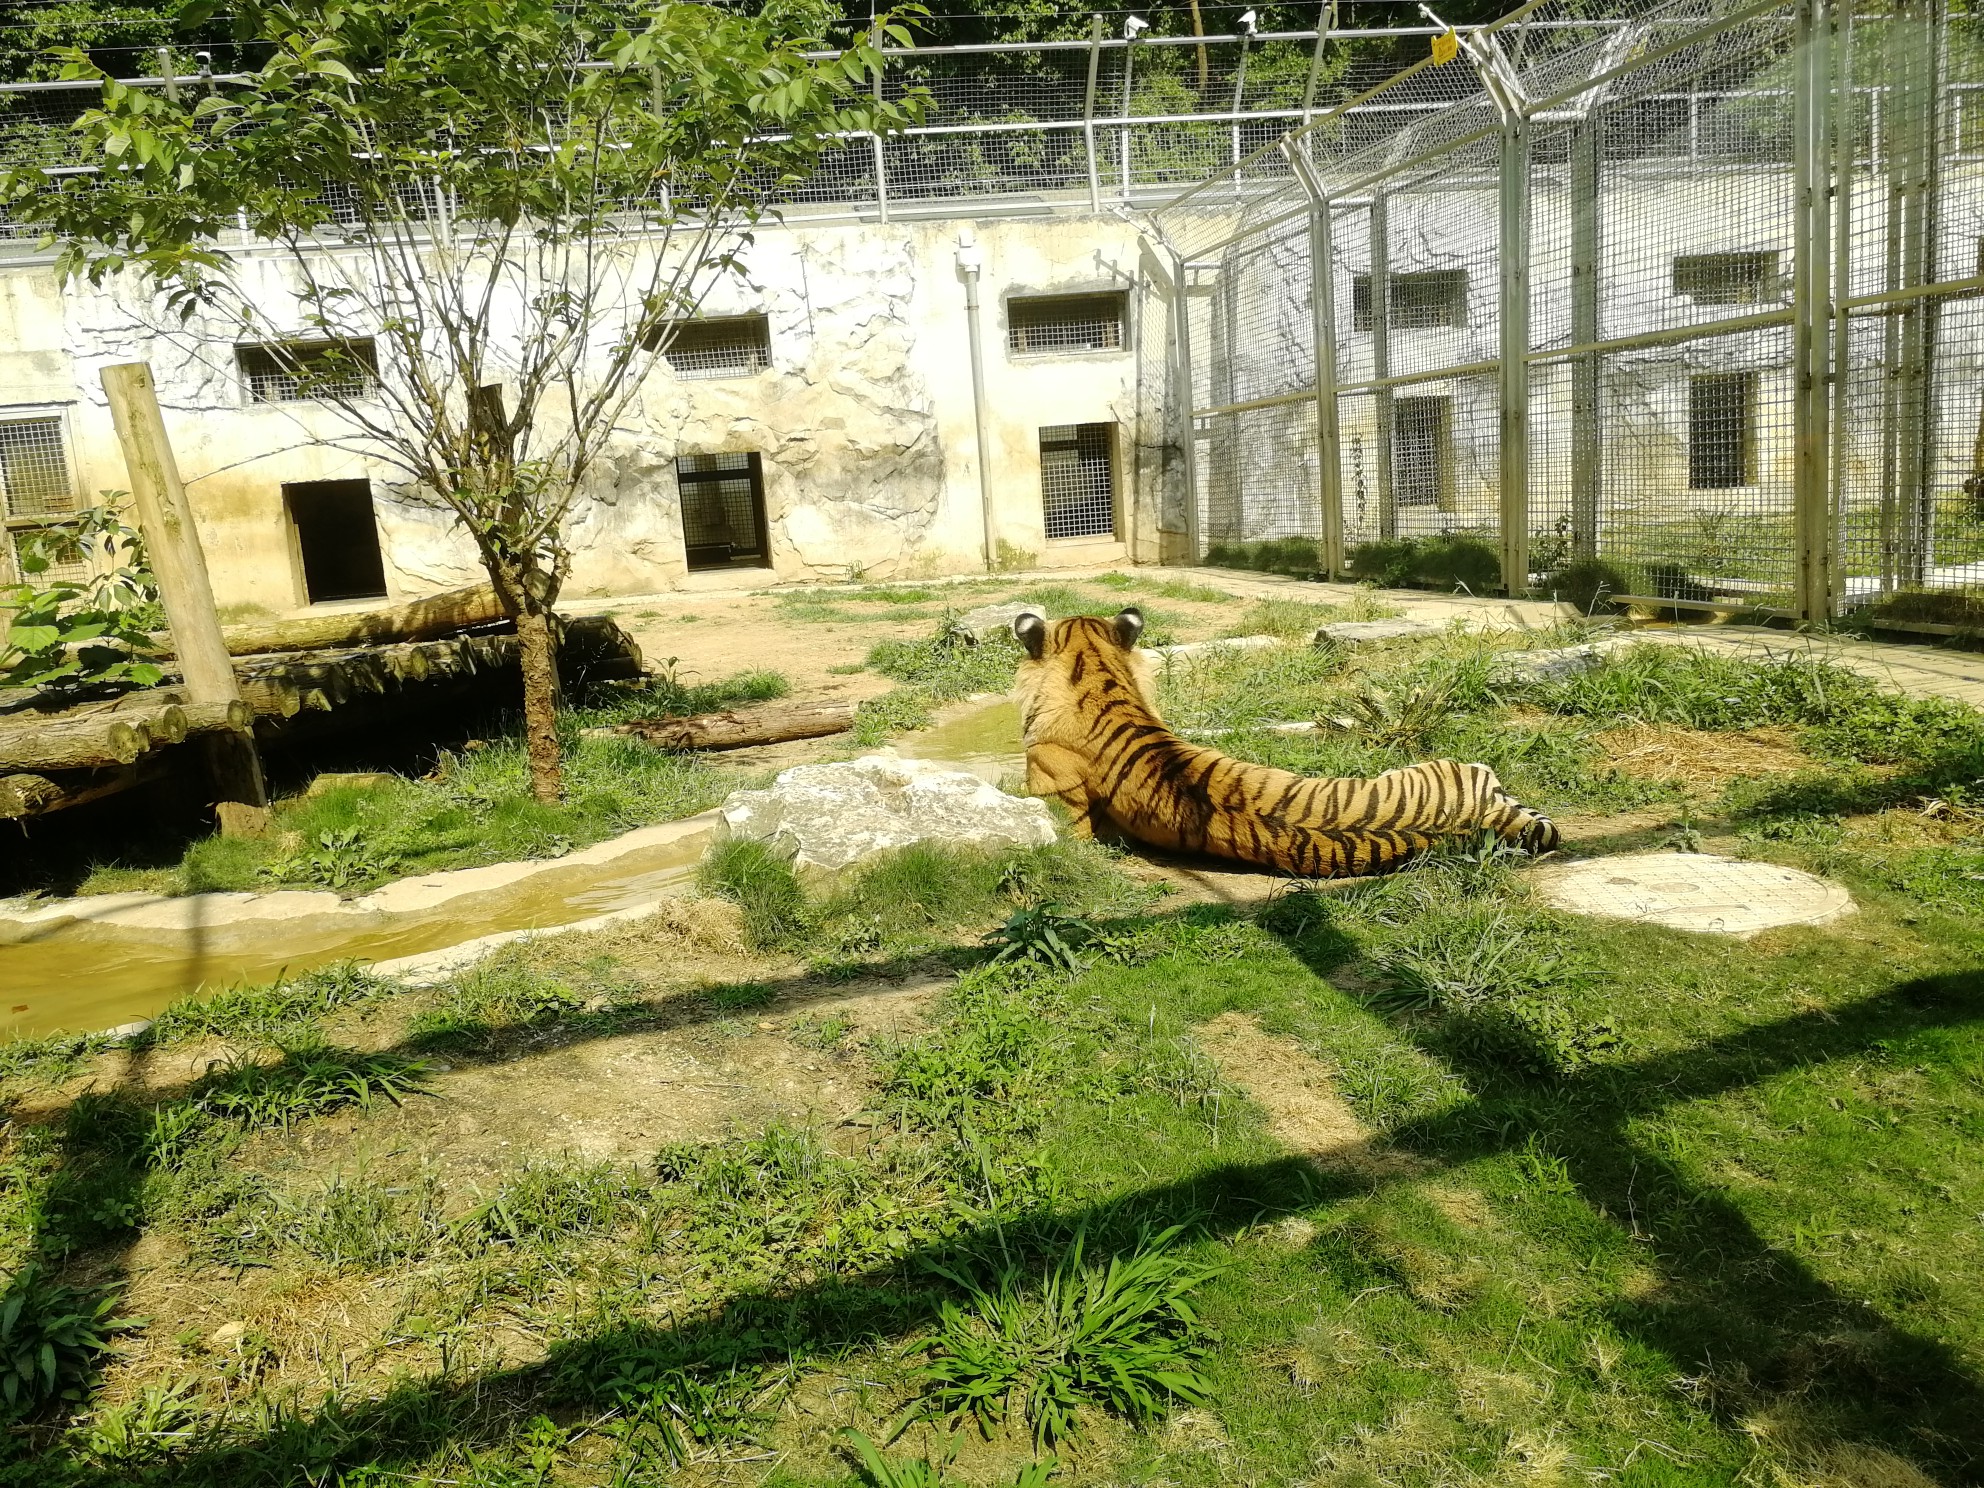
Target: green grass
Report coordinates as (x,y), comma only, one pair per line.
(475,807)
(1619,1202)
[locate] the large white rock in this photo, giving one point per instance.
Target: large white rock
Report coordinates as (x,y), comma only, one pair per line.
(989,621)
(829,816)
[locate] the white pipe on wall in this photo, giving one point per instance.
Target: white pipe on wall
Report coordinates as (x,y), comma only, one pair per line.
(971,260)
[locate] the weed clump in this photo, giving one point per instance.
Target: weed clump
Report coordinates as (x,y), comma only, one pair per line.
(1124,1336)
(51,1339)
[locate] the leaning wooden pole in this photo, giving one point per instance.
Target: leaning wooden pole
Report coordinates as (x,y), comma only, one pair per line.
(185,591)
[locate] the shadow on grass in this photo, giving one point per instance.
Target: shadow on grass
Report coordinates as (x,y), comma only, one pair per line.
(1752,1320)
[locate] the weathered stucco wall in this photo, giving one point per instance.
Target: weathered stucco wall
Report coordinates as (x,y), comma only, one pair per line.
(863,420)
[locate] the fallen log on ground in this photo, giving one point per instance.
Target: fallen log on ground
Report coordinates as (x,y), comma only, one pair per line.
(431,616)
(738,728)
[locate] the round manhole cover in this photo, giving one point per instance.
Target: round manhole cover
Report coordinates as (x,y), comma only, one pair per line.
(1693,891)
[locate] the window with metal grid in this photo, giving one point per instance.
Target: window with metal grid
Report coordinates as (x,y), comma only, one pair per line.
(723,510)
(1422,451)
(295,371)
(1728,278)
(35,488)
(1722,430)
(727,346)
(1078,480)
(1043,325)
(1425,301)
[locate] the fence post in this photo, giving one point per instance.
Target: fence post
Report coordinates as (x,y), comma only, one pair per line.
(1912,233)
(1811,294)
(1587,430)
(1322,308)
(1088,114)
(1181,321)
(1379,287)
(1512,310)
(1844,164)
(1123,131)
(875,140)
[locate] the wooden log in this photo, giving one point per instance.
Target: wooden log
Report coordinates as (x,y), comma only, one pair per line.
(738,728)
(79,744)
(26,795)
(207,718)
(172,541)
(432,615)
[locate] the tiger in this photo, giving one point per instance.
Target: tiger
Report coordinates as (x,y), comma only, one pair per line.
(1095,743)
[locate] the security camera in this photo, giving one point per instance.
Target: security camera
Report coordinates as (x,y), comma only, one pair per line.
(1133,25)
(1247,23)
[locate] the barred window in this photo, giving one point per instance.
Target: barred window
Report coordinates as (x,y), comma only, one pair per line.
(723,510)
(1425,301)
(1422,451)
(294,371)
(1044,325)
(1722,430)
(35,491)
(1078,480)
(1728,278)
(727,346)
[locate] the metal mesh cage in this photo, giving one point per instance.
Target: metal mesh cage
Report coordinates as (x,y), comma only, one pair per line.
(293,371)
(1078,480)
(723,509)
(728,346)
(1039,325)
(34,469)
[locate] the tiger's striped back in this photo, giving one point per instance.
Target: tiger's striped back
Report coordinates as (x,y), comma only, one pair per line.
(1095,741)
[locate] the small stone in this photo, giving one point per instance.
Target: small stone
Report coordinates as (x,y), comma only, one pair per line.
(125,1033)
(1355,633)
(766,1027)
(1208,648)
(358,779)
(988,621)
(227,1333)
(827,817)
(1559,664)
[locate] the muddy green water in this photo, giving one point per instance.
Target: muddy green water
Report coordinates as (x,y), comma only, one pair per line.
(81,975)
(77,974)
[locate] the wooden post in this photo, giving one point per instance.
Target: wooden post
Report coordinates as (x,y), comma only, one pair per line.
(185,591)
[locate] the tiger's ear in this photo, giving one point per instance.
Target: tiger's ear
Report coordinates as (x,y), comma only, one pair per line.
(1030,630)
(1128,625)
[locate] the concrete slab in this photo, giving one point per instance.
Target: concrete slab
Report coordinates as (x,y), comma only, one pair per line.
(1693,891)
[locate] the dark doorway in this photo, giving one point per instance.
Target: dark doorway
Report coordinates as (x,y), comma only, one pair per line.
(337,538)
(723,510)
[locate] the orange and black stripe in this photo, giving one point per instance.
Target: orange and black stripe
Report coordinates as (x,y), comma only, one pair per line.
(1094,739)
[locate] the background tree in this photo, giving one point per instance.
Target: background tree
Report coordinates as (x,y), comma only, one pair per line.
(514,202)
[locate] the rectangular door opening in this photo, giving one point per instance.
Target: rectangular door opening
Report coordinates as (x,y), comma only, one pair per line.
(1422,451)
(337,538)
(723,511)
(1078,480)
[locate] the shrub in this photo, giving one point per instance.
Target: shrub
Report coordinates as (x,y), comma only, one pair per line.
(309,1081)
(51,1337)
(1388,562)
(1587,583)
(1450,561)
(1299,557)
(1124,1336)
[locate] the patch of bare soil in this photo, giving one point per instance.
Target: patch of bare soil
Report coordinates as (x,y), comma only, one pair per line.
(1305,1113)
(1700,757)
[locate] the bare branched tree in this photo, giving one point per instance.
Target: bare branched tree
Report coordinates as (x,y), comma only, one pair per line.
(493,215)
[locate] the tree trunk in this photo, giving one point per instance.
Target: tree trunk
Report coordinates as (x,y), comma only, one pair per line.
(538,652)
(739,728)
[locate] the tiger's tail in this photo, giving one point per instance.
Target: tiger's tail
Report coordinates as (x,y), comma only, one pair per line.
(1522,826)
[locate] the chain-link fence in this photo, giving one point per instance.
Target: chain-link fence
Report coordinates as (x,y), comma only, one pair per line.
(1687,306)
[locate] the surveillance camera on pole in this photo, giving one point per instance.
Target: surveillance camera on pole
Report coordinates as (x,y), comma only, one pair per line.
(1133,25)
(1247,27)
